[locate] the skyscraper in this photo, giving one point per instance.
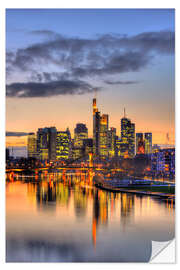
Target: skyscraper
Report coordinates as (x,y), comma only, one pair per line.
(148,143)
(88,146)
(96,128)
(111,141)
(80,134)
(132,140)
(95,109)
(42,144)
(63,145)
(52,143)
(163,162)
(128,136)
(103,135)
(100,132)
(121,148)
(46,143)
(32,145)
(140,146)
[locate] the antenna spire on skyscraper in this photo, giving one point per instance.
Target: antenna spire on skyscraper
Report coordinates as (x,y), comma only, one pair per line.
(94,102)
(124,112)
(95,93)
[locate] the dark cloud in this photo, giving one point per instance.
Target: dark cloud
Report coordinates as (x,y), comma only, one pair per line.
(78,53)
(121,82)
(117,63)
(49,77)
(57,65)
(54,88)
(15,134)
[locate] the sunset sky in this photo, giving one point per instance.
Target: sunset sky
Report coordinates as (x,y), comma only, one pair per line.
(56,58)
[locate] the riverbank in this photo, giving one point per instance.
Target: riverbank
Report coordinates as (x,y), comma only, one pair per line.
(165,191)
(136,191)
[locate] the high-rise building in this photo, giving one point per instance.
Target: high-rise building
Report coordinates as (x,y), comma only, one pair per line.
(96,128)
(103,136)
(111,141)
(87,146)
(70,142)
(52,143)
(32,145)
(100,132)
(143,143)
(140,147)
(46,143)
(128,136)
(163,162)
(121,148)
(63,145)
(132,140)
(42,144)
(80,134)
(77,152)
(148,143)
(95,109)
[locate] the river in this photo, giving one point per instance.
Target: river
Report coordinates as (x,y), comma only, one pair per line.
(64,218)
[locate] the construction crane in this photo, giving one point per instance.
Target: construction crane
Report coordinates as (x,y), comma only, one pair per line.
(167,138)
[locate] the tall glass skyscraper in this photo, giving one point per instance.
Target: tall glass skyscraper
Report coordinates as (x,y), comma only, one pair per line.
(63,145)
(42,144)
(144,143)
(128,136)
(96,128)
(148,142)
(100,132)
(112,141)
(52,143)
(87,146)
(121,148)
(103,135)
(139,143)
(46,143)
(80,134)
(32,145)
(132,140)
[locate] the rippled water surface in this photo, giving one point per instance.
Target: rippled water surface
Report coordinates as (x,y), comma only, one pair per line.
(64,218)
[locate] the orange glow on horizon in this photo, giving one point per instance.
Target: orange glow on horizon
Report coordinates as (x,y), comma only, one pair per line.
(157,137)
(27,115)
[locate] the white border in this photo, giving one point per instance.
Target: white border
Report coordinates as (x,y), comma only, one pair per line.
(73,4)
(2,139)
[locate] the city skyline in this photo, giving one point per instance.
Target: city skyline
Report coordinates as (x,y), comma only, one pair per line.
(135,70)
(24,135)
(48,143)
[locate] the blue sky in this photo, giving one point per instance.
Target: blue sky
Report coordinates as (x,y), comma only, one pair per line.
(145,87)
(84,22)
